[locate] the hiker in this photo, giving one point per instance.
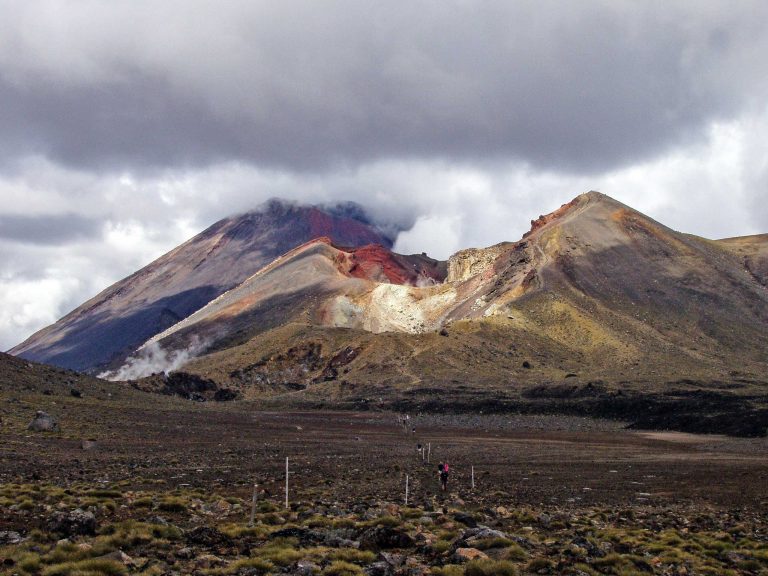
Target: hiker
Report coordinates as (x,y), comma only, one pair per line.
(442,472)
(418,449)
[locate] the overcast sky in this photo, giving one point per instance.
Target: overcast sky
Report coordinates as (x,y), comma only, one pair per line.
(128,126)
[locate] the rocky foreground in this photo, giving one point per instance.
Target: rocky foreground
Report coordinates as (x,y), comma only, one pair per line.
(97,478)
(108,529)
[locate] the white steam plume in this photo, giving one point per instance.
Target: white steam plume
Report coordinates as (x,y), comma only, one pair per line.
(152,359)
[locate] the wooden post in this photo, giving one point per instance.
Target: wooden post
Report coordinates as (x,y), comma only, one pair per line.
(429,451)
(253,505)
(406,489)
(286,481)
(473,477)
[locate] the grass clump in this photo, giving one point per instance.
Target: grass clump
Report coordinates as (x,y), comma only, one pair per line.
(144,502)
(272,519)
(104,494)
(172,504)
(441,546)
(539,564)
(89,567)
(280,552)
(352,555)
(487,567)
(65,552)
(29,563)
(341,568)
(239,531)
(386,521)
(449,570)
(259,565)
(489,543)
(514,552)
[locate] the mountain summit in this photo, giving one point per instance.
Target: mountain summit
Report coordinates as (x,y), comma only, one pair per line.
(106,329)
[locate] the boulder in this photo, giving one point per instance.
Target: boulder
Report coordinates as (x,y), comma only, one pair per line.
(74,523)
(208,561)
(306,568)
(471,537)
(43,422)
(463,555)
(208,537)
(9,537)
(224,395)
(378,569)
(384,537)
(482,532)
(119,556)
(465,519)
(394,560)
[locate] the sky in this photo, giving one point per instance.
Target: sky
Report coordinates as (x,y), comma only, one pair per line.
(126,127)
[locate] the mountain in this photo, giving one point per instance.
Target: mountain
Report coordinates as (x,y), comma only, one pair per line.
(597,307)
(103,331)
(598,310)
(595,280)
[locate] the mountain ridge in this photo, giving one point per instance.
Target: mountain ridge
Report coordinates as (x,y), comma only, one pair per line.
(594,279)
(104,330)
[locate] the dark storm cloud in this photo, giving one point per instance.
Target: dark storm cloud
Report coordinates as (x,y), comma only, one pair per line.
(47,229)
(579,86)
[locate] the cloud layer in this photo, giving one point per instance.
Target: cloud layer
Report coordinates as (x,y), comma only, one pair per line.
(126,127)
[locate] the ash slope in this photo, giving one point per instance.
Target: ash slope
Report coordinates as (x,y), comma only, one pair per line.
(596,303)
(103,331)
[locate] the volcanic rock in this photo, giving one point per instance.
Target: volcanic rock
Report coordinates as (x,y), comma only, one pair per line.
(208,537)
(463,555)
(73,523)
(465,519)
(9,537)
(383,538)
(43,422)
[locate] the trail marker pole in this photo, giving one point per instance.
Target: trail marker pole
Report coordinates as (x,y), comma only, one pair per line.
(286,481)
(473,477)
(406,489)
(253,505)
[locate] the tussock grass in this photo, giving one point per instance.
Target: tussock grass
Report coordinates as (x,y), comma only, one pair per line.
(341,568)
(449,570)
(352,555)
(280,552)
(260,565)
(172,504)
(90,567)
(487,567)
(488,543)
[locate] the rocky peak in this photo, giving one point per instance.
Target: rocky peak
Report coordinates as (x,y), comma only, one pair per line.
(471,262)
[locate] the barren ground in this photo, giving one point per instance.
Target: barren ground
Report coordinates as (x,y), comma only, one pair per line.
(571,495)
